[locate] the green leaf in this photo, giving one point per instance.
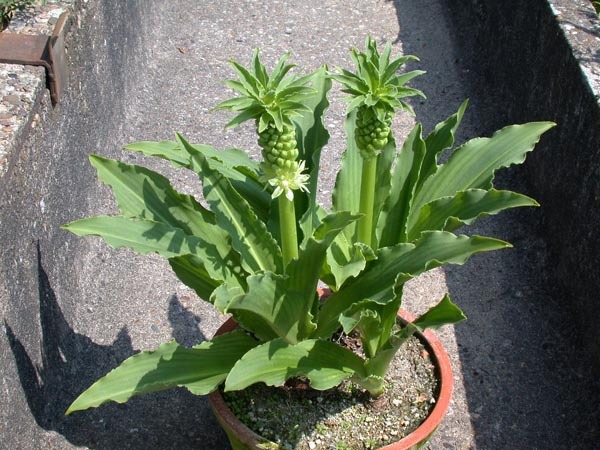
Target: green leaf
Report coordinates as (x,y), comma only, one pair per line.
(345,260)
(148,195)
(444,313)
(233,163)
(385,161)
(143,236)
(364,317)
(324,363)
(450,213)
(312,136)
(265,309)
(277,306)
(303,273)
(242,173)
(145,194)
(168,150)
(201,369)
(391,226)
(440,139)
(249,236)
(346,193)
(396,265)
(191,271)
(472,165)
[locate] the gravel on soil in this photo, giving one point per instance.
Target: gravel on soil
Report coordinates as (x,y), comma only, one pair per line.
(345,417)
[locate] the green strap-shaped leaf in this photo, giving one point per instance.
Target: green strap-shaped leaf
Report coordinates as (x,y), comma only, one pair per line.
(345,260)
(396,265)
(143,236)
(191,271)
(171,151)
(375,323)
(450,213)
(391,227)
(346,193)
(234,164)
(444,313)
(201,369)
(249,236)
(472,165)
(312,137)
(265,308)
(324,363)
(303,273)
(385,161)
(145,194)
(440,139)
(364,317)
(277,306)
(148,195)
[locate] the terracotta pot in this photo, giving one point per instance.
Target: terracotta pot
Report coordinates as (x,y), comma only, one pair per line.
(243,438)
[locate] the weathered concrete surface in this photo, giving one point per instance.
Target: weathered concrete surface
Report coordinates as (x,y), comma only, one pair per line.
(73,308)
(540,60)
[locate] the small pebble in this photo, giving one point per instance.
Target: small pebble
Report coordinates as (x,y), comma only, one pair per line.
(12,99)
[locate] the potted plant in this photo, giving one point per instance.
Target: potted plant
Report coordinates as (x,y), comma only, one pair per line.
(261,250)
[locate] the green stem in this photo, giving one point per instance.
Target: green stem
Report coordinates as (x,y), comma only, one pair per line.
(287,227)
(367,200)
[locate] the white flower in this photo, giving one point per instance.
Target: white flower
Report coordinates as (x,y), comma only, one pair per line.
(285,181)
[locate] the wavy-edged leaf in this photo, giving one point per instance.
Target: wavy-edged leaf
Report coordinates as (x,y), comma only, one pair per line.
(440,139)
(201,369)
(143,236)
(235,165)
(249,236)
(276,306)
(169,150)
(450,213)
(148,195)
(266,308)
(444,313)
(145,194)
(396,265)
(324,363)
(172,151)
(344,261)
(303,273)
(391,226)
(472,165)
(364,317)
(191,271)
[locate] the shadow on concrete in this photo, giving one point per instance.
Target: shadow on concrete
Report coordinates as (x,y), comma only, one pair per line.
(526,384)
(71,362)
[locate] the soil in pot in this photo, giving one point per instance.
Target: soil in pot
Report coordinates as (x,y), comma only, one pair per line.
(297,417)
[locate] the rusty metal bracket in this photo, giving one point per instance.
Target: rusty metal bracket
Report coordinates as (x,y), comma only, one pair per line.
(46,51)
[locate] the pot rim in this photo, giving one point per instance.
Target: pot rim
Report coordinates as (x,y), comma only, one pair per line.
(421,434)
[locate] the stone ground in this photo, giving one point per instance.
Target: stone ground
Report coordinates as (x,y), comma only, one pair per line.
(143,70)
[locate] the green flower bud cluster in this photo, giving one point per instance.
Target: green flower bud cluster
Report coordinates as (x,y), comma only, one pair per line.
(371,134)
(279,149)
